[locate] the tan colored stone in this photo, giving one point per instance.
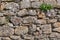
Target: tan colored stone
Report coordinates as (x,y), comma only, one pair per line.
(57,29)
(2,6)
(57,24)
(41,15)
(21,30)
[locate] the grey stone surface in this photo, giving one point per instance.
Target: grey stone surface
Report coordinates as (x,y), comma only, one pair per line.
(32,28)
(9,13)
(5,38)
(6,31)
(34,0)
(58,2)
(46,28)
(1,14)
(25,4)
(28,37)
(3,20)
(15,37)
(16,20)
(12,6)
(51,20)
(36,4)
(22,12)
(52,2)
(29,19)
(32,12)
(40,21)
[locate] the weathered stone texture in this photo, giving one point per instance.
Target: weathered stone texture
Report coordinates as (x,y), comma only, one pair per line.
(46,28)
(36,4)
(6,31)
(23,20)
(21,30)
(25,4)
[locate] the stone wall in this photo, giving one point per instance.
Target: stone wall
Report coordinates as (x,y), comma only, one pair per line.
(22,20)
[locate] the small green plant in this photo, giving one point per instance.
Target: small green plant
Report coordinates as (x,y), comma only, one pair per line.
(45,7)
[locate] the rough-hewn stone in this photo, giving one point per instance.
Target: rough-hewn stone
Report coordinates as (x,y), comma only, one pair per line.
(36,4)
(51,20)
(57,29)
(52,2)
(32,12)
(25,4)
(29,19)
(13,37)
(16,20)
(12,6)
(5,38)
(40,21)
(28,37)
(22,12)
(21,30)
(58,2)
(6,31)
(3,20)
(46,28)
(56,24)
(34,0)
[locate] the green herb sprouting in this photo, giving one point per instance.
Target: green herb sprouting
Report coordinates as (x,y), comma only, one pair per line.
(45,7)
